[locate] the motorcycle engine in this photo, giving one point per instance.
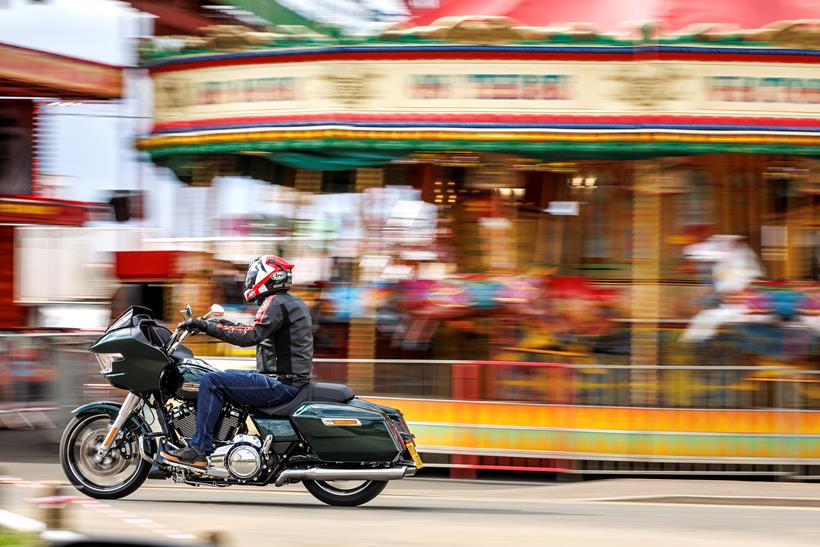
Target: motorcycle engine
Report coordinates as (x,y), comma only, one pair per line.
(240,459)
(184,419)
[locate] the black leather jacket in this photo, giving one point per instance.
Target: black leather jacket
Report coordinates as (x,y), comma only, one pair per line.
(282,334)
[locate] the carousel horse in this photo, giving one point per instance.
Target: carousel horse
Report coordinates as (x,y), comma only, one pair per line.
(567,304)
(743,297)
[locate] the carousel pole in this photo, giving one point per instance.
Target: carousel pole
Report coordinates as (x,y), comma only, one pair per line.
(308,180)
(195,267)
(306,183)
(362,334)
(646,272)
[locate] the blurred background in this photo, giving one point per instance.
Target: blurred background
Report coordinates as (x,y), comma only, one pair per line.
(535,226)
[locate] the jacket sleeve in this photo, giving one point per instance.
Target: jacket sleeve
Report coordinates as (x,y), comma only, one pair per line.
(268,319)
(224,322)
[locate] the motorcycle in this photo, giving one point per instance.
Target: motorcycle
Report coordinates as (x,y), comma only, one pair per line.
(343,449)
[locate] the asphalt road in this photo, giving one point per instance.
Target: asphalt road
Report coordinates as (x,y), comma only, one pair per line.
(453,513)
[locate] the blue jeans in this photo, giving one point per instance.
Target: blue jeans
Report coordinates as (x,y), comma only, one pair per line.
(239,386)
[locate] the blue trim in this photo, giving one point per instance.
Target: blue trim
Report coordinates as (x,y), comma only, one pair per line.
(494,125)
(622,50)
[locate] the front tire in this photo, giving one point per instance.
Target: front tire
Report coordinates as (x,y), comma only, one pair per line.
(342,495)
(117,475)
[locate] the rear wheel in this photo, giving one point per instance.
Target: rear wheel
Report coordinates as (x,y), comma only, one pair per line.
(116,475)
(345,493)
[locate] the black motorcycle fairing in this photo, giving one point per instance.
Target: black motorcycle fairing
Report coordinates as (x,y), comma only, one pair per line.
(143,358)
(159,336)
(136,363)
(130,318)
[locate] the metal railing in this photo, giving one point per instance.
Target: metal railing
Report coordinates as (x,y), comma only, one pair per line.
(43,376)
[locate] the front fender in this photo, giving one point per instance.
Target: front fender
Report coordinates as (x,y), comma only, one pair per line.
(112,409)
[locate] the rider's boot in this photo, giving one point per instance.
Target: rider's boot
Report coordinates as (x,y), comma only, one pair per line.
(188,456)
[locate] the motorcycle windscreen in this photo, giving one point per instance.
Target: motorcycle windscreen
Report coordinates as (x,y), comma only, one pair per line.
(343,433)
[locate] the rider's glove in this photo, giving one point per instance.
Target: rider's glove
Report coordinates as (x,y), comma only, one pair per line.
(195,326)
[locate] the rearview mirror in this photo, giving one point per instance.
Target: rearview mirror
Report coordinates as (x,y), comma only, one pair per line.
(186,312)
(217,310)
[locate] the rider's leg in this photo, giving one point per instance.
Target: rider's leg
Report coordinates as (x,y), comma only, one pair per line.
(249,387)
(208,408)
(240,386)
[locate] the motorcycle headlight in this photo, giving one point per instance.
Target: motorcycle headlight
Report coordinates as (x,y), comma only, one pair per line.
(107,360)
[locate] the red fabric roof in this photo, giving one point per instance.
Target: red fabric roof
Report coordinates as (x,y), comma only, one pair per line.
(608,14)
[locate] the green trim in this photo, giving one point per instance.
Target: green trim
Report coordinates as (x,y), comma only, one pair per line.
(274,13)
(543,150)
(335,160)
(283,16)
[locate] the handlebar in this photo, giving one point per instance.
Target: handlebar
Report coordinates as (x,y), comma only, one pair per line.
(178,338)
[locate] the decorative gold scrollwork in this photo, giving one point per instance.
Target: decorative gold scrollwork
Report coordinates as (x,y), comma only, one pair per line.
(649,88)
(350,87)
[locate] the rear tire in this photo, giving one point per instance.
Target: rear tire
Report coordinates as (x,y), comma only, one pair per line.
(327,493)
(112,478)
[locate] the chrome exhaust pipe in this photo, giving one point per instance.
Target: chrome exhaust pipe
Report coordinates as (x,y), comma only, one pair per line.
(335,474)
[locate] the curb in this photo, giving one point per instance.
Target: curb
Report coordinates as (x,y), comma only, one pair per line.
(19,523)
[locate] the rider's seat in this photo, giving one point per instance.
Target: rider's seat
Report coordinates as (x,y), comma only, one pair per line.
(319,392)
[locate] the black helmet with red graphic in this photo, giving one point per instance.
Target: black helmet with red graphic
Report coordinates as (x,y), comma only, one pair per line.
(267,275)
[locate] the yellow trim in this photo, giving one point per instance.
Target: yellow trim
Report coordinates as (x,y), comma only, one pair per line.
(476,136)
(604,418)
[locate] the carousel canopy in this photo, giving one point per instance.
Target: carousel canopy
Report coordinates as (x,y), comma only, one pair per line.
(484,84)
(608,15)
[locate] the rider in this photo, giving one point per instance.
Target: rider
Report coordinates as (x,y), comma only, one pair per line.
(283,337)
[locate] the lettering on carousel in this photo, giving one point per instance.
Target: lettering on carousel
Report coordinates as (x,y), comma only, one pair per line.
(517,87)
(763,90)
(250,90)
(178,93)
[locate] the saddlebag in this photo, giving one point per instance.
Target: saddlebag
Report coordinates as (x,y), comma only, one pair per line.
(344,433)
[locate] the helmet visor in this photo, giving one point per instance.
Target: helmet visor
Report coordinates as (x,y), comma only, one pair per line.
(250,277)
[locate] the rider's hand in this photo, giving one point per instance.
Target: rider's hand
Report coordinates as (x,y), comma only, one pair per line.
(194,326)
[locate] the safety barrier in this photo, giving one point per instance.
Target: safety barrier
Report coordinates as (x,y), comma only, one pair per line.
(512,415)
(601,419)
(43,376)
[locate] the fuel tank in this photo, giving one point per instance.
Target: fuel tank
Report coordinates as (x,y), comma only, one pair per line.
(183,380)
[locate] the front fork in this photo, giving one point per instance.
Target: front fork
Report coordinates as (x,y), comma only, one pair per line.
(126,411)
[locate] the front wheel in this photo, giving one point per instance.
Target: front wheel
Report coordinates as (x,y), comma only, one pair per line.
(116,475)
(345,493)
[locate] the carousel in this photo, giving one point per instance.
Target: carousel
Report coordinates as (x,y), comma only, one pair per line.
(553,154)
